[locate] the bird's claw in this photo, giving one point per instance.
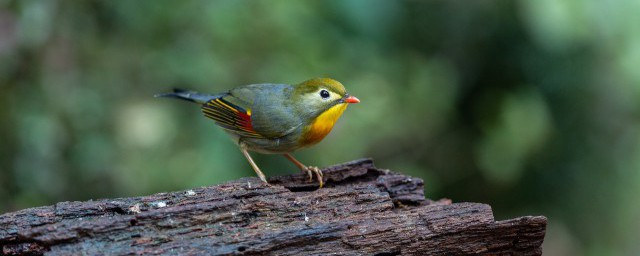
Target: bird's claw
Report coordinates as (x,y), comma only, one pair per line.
(310,170)
(309,173)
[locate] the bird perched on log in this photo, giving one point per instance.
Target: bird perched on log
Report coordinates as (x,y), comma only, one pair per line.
(275,118)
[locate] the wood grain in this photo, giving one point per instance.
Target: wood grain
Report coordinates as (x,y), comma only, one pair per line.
(362,210)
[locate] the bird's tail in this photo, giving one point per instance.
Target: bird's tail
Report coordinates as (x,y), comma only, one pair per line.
(192,96)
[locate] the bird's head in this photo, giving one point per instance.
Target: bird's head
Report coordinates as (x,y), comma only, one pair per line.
(319,95)
(321,102)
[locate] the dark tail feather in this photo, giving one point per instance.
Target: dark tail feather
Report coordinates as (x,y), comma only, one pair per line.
(192,96)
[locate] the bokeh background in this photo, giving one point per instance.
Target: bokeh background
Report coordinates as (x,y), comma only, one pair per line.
(530,106)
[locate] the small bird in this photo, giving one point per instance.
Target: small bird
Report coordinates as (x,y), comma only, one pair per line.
(275,118)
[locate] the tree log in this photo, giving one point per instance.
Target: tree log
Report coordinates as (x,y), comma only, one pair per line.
(362,210)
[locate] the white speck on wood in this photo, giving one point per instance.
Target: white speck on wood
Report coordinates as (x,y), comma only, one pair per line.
(135,208)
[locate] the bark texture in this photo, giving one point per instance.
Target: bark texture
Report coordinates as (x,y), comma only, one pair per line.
(362,210)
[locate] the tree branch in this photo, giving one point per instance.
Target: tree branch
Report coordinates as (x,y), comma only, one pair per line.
(362,210)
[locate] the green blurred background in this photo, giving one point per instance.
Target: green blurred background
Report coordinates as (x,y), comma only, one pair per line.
(530,106)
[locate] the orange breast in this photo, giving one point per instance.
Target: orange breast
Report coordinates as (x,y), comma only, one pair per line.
(321,126)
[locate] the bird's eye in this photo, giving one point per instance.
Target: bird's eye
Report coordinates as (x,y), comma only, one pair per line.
(324,94)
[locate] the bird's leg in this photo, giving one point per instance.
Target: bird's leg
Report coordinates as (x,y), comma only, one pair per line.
(302,167)
(253,164)
(310,170)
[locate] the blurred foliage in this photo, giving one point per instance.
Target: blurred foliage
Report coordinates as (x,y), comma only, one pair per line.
(530,106)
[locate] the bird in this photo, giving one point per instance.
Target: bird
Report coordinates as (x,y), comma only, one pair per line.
(274,118)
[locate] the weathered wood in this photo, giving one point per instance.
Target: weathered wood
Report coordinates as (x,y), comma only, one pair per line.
(362,210)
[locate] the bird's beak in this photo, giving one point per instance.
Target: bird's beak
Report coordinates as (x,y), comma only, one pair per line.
(351,99)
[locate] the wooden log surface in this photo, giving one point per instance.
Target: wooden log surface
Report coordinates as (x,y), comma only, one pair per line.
(361,210)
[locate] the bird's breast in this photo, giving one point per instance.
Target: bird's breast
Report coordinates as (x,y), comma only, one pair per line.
(321,125)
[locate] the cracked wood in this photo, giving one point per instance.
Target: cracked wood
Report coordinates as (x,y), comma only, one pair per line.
(362,210)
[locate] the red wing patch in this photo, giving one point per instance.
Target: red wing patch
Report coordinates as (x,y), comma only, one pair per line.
(230,117)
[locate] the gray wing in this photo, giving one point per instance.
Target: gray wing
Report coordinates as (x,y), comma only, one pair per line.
(272,114)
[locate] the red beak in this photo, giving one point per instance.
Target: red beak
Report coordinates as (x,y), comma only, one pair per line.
(351,99)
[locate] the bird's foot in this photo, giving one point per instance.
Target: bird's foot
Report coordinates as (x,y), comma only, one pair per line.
(263,179)
(308,171)
(311,170)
